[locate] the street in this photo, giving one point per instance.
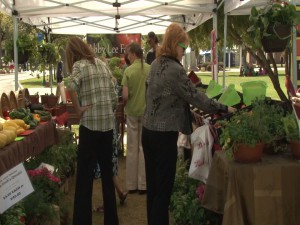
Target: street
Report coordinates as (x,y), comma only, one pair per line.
(7,83)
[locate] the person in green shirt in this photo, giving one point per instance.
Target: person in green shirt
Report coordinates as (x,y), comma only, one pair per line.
(133,93)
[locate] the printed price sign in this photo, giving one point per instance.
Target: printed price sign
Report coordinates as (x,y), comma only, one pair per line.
(14,186)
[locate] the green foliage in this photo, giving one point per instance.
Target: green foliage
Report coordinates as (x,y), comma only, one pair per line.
(26,44)
(49,53)
(116,68)
(37,209)
(272,14)
(260,125)
(185,204)
(13,216)
(291,128)
(62,155)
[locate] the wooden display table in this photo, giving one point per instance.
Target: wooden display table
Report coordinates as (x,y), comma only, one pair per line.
(264,193)
(42,136)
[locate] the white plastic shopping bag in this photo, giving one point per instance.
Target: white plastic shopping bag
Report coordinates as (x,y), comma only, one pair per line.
(202,140)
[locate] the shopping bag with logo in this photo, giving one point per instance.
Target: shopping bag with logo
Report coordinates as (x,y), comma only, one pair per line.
(202,140)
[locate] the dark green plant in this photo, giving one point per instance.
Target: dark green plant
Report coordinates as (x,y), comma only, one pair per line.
(62,155)
(37,209)
(26,43)
(14,215)
(262,124)
(116,68)
(271,15)
(40,205)
(291,128)
(185,205)
(49,53)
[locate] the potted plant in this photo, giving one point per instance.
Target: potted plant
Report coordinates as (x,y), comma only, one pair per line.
(252,130)
(271,25)
(42,205)
(14,215)
(292,132)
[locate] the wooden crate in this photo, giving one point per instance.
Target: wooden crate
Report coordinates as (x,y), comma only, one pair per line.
(21,99)
(1,115)
(5,103)
(26,93)
(13,100)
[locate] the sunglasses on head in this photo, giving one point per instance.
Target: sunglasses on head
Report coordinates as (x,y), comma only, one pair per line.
(183,46)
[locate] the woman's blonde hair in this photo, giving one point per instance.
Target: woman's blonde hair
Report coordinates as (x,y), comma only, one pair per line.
(76,50)
(174,34)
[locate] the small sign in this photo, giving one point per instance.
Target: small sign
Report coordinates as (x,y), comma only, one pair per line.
(40,38)
(14,186)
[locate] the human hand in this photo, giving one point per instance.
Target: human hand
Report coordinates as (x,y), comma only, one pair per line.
(296,100)
(80,111)
(198,118)
(231,109)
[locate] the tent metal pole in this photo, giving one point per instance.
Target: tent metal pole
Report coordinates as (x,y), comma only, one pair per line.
(294,56)
(224,49)
(215,64)
(16,60)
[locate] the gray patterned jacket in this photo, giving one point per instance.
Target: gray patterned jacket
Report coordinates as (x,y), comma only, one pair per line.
(169,95)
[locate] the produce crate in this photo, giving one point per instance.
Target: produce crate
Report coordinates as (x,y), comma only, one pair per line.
(5,104)
(13,100)
(21,99)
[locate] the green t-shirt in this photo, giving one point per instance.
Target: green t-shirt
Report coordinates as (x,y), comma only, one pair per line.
(135,79)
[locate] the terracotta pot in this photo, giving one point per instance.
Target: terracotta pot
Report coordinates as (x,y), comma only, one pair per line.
(248,154)
(295,148)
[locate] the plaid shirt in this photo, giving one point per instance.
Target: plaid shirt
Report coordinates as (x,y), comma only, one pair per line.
(93,85)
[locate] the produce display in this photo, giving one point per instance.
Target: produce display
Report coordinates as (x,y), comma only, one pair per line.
(10,129)
(25,115)
(18,121)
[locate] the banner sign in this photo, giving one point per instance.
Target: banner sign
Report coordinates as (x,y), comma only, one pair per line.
(112,45)
(14,186)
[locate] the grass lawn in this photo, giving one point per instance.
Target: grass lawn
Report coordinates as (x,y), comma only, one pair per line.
(234,78)
(231,78)
(38,82)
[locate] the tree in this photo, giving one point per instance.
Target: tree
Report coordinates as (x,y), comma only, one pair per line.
(5,31)
(237,35)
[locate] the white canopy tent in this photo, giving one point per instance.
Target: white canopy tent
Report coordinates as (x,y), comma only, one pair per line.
(243,7)
(103,16)
(97,16)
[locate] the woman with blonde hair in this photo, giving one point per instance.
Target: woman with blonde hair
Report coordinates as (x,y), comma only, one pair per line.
(94,99)
(169,95)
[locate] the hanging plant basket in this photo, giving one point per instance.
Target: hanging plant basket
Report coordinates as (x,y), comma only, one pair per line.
(278,40)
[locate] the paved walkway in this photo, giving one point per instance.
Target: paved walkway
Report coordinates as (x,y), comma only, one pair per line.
(7,83)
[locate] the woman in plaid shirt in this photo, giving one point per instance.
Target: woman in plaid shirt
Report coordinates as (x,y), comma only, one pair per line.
(94,98)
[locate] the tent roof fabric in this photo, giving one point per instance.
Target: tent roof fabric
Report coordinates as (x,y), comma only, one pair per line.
(103,16)
(243,7)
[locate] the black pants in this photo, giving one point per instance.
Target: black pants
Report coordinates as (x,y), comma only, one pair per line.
(160,151)
(94,146)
